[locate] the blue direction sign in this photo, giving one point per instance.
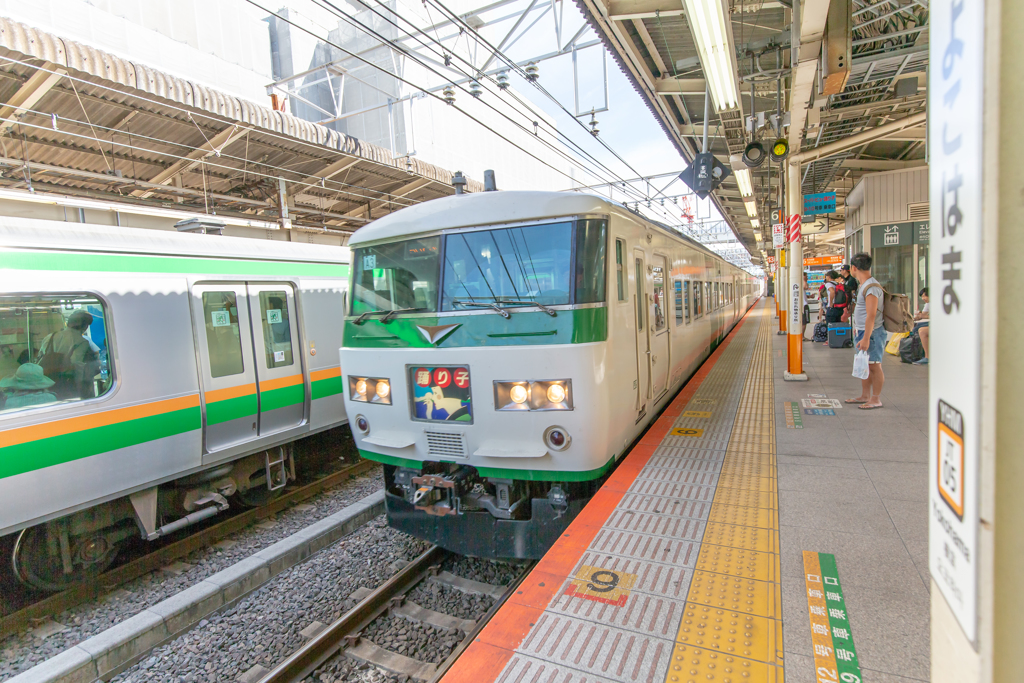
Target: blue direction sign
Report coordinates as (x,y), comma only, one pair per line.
(822,202)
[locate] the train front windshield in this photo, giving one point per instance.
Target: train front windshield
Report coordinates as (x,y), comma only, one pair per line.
(551,264)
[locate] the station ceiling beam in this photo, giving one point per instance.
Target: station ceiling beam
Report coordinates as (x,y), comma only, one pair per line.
(30,92)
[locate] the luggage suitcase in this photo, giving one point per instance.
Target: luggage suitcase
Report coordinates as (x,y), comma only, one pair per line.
(821,332)
(911,350)
(840,335)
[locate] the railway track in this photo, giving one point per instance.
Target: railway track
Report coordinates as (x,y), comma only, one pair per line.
(55,604)
(344,637)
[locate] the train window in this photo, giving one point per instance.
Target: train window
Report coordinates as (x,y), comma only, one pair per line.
(277,330)
(698,309)
(223,338)
(708,304)
(620,269)
(686,301)
(510,266)
(396,276)
(659,299)
(677,288)
(53,349)
(591,246)
(640,295)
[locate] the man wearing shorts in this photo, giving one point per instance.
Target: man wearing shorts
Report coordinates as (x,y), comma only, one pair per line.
(869,334)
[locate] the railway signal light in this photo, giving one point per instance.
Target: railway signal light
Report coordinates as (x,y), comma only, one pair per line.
(705,174)
(779,150)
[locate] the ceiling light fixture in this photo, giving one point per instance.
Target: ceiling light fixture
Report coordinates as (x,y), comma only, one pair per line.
(707,21)
(743,180)
(751,208)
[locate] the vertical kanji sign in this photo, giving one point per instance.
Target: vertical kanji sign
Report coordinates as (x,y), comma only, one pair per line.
(956,175)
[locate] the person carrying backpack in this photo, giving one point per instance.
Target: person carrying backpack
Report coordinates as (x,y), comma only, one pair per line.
(839,298)
(68,358)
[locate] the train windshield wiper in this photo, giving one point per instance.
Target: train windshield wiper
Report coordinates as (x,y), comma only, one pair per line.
(387,316)
(526,302)
(483,304)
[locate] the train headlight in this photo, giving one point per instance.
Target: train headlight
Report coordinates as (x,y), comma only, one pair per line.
(370,389)
(511,395)
(549,394)
(518,393)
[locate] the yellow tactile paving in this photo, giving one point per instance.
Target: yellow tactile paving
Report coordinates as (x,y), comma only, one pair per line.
(731,629)
(733,593)
(703,665)
(744,635)
(744,497)
(733,536)
(747,564)
(744,516)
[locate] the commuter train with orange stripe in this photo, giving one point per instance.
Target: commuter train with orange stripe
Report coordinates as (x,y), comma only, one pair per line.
(503,350)
(151,379)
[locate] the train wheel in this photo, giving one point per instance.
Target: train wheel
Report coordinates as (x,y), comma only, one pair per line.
(36,558)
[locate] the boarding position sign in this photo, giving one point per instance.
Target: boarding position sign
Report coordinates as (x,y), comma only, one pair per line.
(955,185)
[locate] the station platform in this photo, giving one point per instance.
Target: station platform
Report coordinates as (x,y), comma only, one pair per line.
(696,560)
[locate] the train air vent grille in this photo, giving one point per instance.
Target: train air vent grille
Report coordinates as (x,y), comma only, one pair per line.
(445,444)
(918,212)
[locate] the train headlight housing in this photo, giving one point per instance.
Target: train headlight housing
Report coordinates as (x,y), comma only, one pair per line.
(536,395)
(370,389)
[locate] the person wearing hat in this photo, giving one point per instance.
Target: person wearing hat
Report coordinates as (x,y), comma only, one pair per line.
(67,357)
(28,386)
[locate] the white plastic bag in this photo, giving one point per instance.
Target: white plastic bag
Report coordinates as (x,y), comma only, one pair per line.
(860,365)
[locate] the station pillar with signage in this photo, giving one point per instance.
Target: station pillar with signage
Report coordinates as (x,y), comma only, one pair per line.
(975,397)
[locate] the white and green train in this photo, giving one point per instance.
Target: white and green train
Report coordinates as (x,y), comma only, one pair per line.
(150,379)
(503,350)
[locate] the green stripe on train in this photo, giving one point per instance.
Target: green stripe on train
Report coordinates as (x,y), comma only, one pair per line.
(130,263)
(57,450)
(323,388)
(501,473)
(231,409)
(524,328)
(282,398)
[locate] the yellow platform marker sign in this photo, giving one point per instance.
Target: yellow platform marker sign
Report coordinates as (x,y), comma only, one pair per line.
(697,413)
(687,431)
(601,585)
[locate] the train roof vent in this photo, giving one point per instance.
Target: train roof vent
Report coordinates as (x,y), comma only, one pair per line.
(201,225)
(445,444)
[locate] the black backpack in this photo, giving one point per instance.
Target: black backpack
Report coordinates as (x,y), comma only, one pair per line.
(911,349)
(839,298)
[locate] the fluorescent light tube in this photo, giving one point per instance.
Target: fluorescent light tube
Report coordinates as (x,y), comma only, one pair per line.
(743,180)
(751,208)
(707,21)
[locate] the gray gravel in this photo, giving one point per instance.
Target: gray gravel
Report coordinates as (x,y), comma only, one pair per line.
(264,627)
(449,601)
(23,651)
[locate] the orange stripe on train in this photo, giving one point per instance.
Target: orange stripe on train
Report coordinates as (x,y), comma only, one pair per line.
(230,392)
(280,382)
(13,437)
(317,375)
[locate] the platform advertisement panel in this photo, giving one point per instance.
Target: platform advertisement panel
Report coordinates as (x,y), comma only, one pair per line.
(955,184)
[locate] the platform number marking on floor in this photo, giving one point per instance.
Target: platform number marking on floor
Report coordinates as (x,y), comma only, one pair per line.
(835,657)
(791,409)
(697,413)
(601,585)
(819,411)
(687,431)
(703,401)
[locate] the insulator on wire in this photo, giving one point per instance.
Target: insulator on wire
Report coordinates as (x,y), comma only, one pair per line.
(593,125)
(502,79)
(532,71)
(475,89)
(448,94)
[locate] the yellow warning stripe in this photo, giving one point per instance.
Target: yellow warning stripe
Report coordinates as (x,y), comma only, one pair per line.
(732,624)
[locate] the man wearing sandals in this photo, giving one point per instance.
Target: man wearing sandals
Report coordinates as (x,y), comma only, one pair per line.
(868,331)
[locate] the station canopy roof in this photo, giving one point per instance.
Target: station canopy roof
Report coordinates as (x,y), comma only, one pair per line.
(660,50)
(82,122)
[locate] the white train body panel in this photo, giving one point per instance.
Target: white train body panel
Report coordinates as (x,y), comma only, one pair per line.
(150,424)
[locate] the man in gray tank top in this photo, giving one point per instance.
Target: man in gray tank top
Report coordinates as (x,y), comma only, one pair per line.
(868,332)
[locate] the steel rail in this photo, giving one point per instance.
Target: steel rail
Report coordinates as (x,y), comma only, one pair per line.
(321,648)
(443,667)
(104,583)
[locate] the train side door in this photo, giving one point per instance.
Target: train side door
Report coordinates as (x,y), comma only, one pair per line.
(279,379)
(224,337)
(659,312)
(643,337)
